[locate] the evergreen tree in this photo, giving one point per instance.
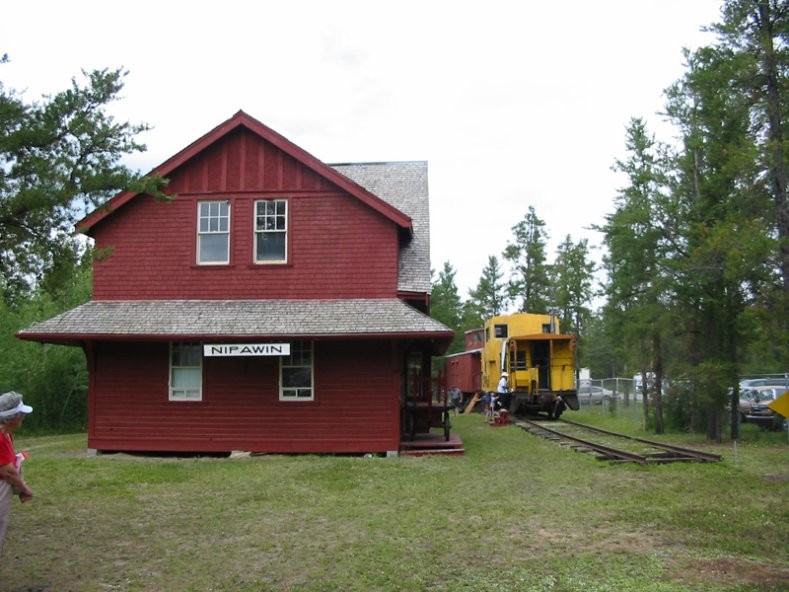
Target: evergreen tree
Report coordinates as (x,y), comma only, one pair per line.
(722,261)
(530,282)
(600,351)
(636,236)
(489,298)
(698,243)
(753,50)
(445,305)
(53,378)
(753,54)
(573,277)
(58,158)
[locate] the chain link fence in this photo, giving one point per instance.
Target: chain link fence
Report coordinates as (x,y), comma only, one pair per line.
(621,397)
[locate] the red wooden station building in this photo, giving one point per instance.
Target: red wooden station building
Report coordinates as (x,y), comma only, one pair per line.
(275,304)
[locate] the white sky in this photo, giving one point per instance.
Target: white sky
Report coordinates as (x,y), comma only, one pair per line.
(512,103)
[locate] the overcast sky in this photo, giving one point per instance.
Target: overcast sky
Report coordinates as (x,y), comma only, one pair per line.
(512,104)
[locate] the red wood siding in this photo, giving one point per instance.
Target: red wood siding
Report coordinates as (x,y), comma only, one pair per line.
(464,371)
(242,161)
(356,407)
(475,339)
(337,246)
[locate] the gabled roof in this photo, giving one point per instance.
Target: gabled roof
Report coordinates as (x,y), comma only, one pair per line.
(238,319)
(241,119)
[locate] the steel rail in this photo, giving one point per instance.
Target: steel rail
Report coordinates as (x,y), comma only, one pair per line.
(697,454)
(610,452)
(670,453)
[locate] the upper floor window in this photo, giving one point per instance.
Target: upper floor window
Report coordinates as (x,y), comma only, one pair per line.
(213,232)
(186,372)
(271,231)
(296,373)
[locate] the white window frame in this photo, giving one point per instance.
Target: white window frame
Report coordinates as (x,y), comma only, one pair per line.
(214,226)
(256,218)
(178,393)
(296,360)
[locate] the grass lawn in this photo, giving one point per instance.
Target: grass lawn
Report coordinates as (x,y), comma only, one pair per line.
(515,513)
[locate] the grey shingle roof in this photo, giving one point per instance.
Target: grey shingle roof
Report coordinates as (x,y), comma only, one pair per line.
(237,318)
(404,186)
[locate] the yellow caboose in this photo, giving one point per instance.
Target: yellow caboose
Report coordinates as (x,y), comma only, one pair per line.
(539,362)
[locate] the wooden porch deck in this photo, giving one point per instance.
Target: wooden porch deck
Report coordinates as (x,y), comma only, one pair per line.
(432,443)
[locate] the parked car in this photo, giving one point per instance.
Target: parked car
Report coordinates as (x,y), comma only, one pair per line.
(754,406)
(749,383)
(595,394)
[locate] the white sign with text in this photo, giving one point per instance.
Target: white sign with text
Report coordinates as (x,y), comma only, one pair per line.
(246,349)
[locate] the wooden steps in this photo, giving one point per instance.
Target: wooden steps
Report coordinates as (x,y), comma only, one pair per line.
(431,443)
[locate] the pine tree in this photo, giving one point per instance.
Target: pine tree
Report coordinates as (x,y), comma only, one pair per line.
(446,306)
(58,158)
(722,263)
(636,237)
(572,284)
(489,298)
(530,282)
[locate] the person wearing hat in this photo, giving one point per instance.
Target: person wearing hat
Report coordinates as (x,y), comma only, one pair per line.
(504,390)
(12,412)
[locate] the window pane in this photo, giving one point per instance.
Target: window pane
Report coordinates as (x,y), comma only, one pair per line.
(190,394)
(271,246)
(296,377)
(298,393)
(213,248)
(265,208)
(190,355)
(300,354)
(186,378)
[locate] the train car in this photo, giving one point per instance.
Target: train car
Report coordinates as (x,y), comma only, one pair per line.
(537,358)
(464,369)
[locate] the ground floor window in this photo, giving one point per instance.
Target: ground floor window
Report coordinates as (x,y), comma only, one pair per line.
(296,376)
(186,372)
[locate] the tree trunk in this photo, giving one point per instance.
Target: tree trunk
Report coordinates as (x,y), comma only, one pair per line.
(658,370)
(714,423)
(778,175)
(645,397)
(735,412)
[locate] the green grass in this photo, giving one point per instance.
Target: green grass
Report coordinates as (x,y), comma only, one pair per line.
(515,513)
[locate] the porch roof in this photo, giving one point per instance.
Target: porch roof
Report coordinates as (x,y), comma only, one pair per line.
(237,319)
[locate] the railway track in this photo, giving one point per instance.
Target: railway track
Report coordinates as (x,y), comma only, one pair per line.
(613,446)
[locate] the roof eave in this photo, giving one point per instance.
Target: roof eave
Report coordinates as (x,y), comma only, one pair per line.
(77,339)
